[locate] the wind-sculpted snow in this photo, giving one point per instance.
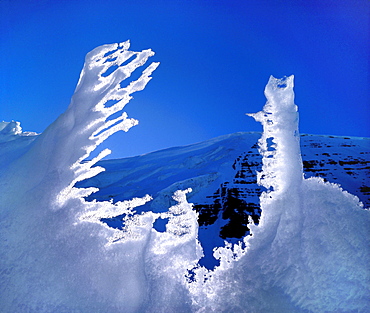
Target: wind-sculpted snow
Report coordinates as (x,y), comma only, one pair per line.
(52,261)
(58,253)
(312,244)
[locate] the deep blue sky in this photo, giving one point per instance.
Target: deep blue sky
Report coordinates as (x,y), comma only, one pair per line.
(216,58)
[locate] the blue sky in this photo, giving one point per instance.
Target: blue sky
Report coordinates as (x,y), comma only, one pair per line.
(216,58)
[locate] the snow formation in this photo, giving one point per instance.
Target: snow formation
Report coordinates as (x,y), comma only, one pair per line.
(309,253)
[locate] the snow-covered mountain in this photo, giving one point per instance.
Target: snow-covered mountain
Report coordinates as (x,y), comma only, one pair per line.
(222,173)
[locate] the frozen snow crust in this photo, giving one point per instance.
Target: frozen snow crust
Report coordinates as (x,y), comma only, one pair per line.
(309,253)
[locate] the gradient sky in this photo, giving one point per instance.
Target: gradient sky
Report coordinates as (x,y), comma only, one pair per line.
(216,58)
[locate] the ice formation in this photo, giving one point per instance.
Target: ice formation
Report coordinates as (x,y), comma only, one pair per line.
(309,253)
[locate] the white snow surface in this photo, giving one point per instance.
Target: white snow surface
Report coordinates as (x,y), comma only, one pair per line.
(310,252)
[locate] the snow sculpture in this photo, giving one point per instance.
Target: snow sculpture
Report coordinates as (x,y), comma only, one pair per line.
(312,244)
(280,123)
(282,171)
(310,252)
(50,260)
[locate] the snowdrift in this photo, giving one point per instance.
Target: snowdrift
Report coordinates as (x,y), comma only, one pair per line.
(308,253)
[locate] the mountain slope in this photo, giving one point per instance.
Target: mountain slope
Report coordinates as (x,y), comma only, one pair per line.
(222,173)
(229,159)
